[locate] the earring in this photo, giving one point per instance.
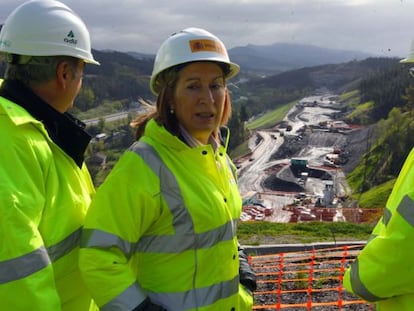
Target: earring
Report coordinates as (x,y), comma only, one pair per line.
(171,110)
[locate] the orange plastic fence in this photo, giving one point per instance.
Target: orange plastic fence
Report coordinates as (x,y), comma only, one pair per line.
(308,280)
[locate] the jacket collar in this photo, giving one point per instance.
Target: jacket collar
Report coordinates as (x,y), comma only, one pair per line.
(160,134)
(65,130)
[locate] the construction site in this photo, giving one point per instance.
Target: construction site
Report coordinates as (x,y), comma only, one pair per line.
(296,173)
(296,170)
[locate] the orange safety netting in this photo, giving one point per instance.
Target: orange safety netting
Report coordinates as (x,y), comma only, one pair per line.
(307,280)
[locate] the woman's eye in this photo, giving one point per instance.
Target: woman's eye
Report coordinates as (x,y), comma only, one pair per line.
(192,86)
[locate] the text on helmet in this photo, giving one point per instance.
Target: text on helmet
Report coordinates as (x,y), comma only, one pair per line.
(70,38)
(207,45)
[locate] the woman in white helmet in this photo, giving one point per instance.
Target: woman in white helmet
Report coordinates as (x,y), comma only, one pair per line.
(45,187)
(161,230)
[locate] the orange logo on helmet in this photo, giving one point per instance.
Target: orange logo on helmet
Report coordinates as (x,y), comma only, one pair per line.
(207,45)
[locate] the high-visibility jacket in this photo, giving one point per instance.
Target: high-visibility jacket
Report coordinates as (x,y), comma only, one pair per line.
(163,226)
(383,271)
(43,200)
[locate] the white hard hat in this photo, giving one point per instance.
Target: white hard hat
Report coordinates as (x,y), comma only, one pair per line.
(189,45)
(46,28)
(410,57)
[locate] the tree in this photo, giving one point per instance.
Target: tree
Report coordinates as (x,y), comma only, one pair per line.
(85,99)
(237,132)
(244,116)
(409,98)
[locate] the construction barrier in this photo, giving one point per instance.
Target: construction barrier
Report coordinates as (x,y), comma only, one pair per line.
(305,280)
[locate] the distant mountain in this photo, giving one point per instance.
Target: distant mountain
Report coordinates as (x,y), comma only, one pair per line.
(139,55)
(280,57)
(335,77)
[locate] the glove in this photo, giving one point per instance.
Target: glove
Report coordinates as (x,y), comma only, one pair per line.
(247,275)
(147,305)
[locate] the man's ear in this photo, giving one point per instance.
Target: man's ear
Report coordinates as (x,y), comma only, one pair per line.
(63,73)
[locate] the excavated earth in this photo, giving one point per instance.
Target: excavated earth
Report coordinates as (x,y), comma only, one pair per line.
(353,145)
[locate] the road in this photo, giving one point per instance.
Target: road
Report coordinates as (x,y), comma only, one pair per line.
(251,171)
(110,117)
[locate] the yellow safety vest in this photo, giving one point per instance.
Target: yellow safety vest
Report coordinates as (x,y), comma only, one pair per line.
(383,271)
(43,200)
(163,225)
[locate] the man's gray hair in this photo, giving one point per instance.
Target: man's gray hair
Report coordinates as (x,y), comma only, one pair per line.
(35,70)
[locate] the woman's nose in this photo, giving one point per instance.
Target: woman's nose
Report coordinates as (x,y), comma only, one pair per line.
(207,95)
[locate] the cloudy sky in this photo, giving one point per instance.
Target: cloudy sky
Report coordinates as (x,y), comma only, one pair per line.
(380,27)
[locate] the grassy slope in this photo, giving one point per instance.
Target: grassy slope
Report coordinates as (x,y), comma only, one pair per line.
(272,117)
(255,233)
(377,196)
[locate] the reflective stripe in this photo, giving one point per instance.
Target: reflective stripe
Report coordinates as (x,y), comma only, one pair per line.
(23,266)
(386,217)
(198,297)
(102,239)
(358,287)
(406,210)
(129,299)
(178,244)
(168,186)
(65,246)
(232,167)
(163,244)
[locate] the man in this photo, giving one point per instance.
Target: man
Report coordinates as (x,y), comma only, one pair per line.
(45,187)
(383,271)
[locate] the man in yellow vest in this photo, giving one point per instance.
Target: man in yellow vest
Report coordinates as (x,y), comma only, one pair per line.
(45,187)
(383,272)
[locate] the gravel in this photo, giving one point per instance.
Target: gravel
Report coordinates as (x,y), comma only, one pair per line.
(308,280)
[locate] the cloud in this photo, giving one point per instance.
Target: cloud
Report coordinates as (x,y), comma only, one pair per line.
(381,27)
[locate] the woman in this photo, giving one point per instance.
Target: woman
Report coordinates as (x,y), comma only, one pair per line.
(161,231)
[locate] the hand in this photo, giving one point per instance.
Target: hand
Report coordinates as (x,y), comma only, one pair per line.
(147,305)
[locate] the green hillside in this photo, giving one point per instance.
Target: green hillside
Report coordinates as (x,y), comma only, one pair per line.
(270,118)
